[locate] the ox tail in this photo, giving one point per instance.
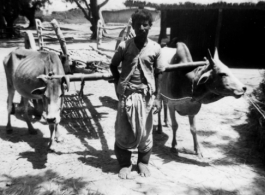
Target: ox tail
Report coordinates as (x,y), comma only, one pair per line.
(6,59)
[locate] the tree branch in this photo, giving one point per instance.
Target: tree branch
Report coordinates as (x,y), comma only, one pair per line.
(83,10)
(102,4)
(88,9)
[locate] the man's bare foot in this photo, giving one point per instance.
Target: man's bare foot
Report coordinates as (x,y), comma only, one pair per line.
(125,173)
(144,170)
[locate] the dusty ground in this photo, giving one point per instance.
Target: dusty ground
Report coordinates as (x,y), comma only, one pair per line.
(85,162)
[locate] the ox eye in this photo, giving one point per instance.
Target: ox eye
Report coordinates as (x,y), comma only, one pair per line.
(222,74)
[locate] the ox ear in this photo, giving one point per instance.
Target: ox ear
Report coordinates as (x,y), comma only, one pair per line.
(204,78)
(38,91)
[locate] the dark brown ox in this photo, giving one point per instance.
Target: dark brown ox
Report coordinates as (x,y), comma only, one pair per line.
(29,73)
(185,90)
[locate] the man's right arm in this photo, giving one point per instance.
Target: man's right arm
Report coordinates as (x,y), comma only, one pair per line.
(115,62)
(115,73)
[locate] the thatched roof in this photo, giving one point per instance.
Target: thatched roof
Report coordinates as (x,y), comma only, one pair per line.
(197,4)
(114,5)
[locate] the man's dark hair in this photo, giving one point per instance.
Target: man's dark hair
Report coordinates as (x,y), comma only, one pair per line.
(142,14)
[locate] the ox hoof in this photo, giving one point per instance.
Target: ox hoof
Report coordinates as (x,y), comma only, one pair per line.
(9,131)
(33,132)
(174,150)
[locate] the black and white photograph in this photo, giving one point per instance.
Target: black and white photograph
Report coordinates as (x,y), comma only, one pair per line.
(132,97)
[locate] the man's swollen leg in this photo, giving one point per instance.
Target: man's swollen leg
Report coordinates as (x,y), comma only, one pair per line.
(124,159)
(143,160)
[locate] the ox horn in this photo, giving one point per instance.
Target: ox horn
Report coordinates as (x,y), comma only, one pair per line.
(216,55)
(210,60)
(66,79)
(43,77)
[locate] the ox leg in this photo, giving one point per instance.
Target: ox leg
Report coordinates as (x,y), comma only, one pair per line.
(194,136)
(26,116)
(10,109)
(165,114)
(52,128)
(57,136)
(38,107)
(159,128)
(159,125)
(54,135)
(174,124)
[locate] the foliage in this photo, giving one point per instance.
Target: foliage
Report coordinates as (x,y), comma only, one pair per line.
(11,9)
(91,12)
(255,119)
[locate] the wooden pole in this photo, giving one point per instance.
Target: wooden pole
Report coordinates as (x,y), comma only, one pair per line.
(59,35)
(100,34)
(30,41)
(65,57)
(173,67)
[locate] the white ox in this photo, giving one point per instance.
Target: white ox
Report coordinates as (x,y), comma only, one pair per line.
(29,73)
(185,90)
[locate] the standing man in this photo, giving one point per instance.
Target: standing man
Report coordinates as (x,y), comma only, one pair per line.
(139,95)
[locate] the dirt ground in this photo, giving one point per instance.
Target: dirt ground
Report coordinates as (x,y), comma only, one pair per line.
(85,162)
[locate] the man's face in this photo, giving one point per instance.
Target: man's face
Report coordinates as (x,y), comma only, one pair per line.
(141,28)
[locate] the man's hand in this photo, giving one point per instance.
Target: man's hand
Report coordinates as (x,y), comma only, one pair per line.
(157,106)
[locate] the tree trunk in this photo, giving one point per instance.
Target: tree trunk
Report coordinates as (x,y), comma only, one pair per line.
(95,17)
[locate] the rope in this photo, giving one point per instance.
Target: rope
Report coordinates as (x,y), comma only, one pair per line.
(255,105)
(246,97)
(175,99)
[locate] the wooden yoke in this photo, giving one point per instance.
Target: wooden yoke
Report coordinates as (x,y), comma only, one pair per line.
(65,58)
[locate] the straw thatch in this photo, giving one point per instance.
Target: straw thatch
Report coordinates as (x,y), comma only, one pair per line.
(196,4)
(114,5)
(256,116)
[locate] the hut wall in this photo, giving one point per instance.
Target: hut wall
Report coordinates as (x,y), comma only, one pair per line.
(242,35)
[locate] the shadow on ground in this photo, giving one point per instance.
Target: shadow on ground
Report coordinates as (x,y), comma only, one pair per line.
(48,182)
(81,119)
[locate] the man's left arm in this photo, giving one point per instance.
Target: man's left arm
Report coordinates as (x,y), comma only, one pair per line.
(159,69)
(158,101)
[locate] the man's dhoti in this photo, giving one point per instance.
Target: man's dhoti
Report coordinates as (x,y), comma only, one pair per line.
(134,123)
